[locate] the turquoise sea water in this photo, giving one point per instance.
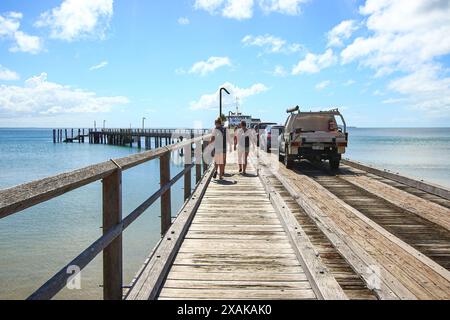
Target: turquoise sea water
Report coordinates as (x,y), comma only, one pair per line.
(37,242)
(419,153)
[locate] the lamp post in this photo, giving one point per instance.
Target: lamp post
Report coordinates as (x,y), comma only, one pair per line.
(104,124)
(143,123)
(220,93)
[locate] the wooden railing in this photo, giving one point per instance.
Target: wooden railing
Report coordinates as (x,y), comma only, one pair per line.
(19,198)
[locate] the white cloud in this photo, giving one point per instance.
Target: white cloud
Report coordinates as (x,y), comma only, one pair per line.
(322,85)
(271,44)
(406,36)
(211,101)
(10,23)
(342,31)
(243,9)
(26,43)
(99,66)
(426,89)
(238,9)
(210,65)
(8,75)
(279,71)
(183,21)
(208,5)
(314,63)
(289,7)
(22,42)
(41,97)
(75,19)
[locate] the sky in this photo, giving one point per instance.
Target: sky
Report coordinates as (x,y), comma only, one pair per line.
(68,63)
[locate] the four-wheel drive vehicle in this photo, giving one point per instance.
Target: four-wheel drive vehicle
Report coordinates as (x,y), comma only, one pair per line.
(314,136)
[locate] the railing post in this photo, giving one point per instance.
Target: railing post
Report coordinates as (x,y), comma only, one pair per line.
(112,254)
(166,205)
(187,174)
(198,161)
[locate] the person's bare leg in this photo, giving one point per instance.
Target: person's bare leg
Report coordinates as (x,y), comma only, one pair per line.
(224,162)
(245,162)
(222,170)
(216,166)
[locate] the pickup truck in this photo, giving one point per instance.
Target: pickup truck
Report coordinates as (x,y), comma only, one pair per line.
(314,136)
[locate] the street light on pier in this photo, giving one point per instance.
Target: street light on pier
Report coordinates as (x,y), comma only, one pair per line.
(220,93)
(143,123)
(104,124)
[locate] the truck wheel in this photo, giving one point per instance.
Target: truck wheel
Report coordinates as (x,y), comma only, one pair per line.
(288,162)
(280,157)
(334,164)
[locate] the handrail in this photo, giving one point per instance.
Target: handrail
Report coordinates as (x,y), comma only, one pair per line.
(21,197)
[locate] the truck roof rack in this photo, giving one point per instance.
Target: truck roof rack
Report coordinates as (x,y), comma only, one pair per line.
(292,110)
(332,111)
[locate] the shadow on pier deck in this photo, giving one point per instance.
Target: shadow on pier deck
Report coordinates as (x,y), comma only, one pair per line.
(308,233)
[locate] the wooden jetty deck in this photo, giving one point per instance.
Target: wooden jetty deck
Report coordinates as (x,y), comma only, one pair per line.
(236,248)
(307,233)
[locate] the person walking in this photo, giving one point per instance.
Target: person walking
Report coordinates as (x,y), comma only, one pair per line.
(220,148)
(242,144)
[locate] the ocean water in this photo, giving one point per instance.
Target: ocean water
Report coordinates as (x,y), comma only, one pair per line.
(422,153)
(36,243)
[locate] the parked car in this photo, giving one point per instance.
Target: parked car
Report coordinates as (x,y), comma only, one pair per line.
(314,136)
(271,132)
(259,129)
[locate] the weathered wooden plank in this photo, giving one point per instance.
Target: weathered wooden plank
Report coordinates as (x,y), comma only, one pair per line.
(185,273)
(226,255)
(423,208)
(112,254)
(394,257)
(152,276)
(425,186)
(236,284)
(351,251)
(323,282)
(187,176)
(166,202)
(212,294)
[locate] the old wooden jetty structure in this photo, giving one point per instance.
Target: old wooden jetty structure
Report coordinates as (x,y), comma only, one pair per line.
(306,233)
(142,138)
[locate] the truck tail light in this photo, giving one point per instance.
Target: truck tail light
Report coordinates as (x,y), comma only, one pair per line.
(342,144)
(296,144)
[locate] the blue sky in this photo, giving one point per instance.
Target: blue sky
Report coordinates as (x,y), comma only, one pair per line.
(66,63)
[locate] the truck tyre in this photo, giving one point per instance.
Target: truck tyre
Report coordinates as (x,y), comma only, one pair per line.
(334,163)
(288,162)
(280,157)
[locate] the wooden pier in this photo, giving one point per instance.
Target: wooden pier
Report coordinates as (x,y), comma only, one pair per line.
(142,138)
(306,233)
